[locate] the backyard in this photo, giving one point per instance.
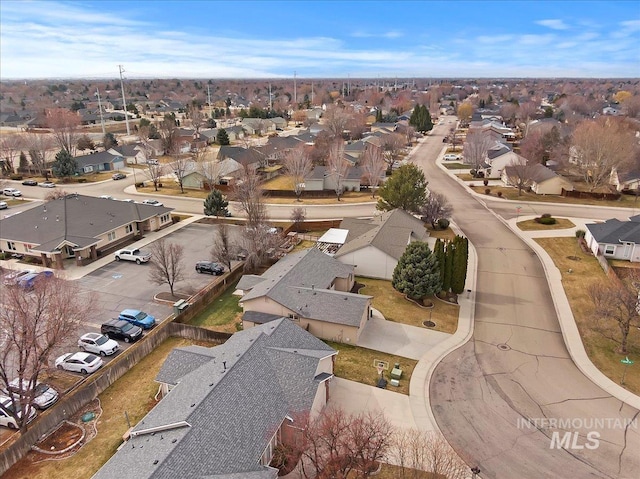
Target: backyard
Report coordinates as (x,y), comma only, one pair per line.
(394,307)
(222,314)
(577,275)
(134,393)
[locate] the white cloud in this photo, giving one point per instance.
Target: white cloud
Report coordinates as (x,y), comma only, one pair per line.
(554,24)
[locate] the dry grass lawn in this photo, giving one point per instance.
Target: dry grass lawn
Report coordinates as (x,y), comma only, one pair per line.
(172,189)
(600,350)
(395,307)
(280,183)
(223,313)
(532,225)
(356,364)
(447,234)
(132,393)
(348,197)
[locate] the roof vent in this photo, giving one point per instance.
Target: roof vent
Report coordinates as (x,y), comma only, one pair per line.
(155,462)
(224,365)
(193,405)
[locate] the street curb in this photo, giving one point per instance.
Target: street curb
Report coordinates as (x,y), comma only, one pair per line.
(419,399)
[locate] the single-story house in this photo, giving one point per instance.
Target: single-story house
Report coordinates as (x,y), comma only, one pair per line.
(280,122)
(226,409)
(130,153)
(374,246)
(321,179)
(96,162)
(313,290)
(629,180)
(544,181)
(497,164)
(615,239)
(258,126)
(79,227)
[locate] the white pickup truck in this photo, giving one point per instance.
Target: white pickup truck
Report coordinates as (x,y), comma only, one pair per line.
(136,255)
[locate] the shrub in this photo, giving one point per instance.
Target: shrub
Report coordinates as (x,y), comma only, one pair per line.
(546,215)
(16,177)
(82,180)
(485,182)
(487,191)
(139,185)
(499,194)
(547,221)
(443,223)
(580,233)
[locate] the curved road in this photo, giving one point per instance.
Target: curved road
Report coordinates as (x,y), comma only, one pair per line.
(516,365)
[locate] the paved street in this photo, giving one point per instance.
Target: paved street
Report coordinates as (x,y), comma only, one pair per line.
(517,366)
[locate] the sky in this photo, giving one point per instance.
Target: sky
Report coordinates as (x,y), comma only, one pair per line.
(314,39)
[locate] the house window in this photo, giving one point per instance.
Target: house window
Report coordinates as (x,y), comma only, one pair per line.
(294,317)
(11,246)
(164,218)
(609,249)
(87,169)
(111,236)
(129,228)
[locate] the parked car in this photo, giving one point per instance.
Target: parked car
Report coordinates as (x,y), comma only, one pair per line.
(135,254)
(6,413)
(128,200)
(138,318)
(451,157)
(106,197)
(47,184)
(84,363)
(152,203)
(30,182)
(11,192)
(97,343)
(28,281)
(152,162)
(43,396)
(14,276)
(209,267)
(3,205)
(120,329)
(118,176)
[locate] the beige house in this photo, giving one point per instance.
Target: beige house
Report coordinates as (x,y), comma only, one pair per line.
(78,228)
(543,180)
(374,246)
(313,290)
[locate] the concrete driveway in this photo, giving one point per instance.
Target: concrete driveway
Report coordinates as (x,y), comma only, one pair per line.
(397,338)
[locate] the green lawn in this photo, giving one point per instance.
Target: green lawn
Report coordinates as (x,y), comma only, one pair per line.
(223,314)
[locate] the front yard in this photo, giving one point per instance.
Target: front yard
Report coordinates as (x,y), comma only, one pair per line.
(394,307)
(584,272)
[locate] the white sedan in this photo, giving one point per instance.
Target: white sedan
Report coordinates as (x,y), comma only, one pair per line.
(84,363)
(152,203)
(97,343)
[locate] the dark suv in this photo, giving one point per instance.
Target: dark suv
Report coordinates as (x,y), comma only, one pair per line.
(209,267)
(119,329)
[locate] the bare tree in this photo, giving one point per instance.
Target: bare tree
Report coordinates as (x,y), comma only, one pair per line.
(248,192)
(38,145)
(181,165)
(437,207)
(298,215)
(337,166)
(337,445)
(417,452)
(298,166)
(56,194)
(602,146)
(392,145)
(10,147)
(167,265)
(65,126)
(211,170)
(169,135)
(520,174)
(336,120)
(617,301)
(155,172)
(373,166)
(223,250)
(197,119)
(476,148)
(36,323)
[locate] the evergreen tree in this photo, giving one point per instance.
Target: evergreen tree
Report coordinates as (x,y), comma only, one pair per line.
(406,189)
(421,118)
(64,165)
(24,164)
(222,138)
(109,141)
(417,273)
(378,116)
(215,204)
(460,259)
(438,250)
(448,266)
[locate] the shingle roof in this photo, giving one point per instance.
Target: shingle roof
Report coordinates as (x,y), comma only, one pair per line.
(301,281)
(96,158)
(228,429)
(614,231)
(77,219)
(538,173)
(390,233)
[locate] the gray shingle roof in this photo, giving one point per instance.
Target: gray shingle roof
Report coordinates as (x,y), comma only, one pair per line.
(614,231)
(259,318)
(233,404)
(390,233)
(76,219)
(96,159)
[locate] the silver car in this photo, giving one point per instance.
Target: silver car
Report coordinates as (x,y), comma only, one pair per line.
(43,396)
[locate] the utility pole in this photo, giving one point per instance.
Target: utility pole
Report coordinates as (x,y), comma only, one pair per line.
(349,85)
(312,103)
(209,100)
(295,89)
(124,101)
(270,101)
(104,132)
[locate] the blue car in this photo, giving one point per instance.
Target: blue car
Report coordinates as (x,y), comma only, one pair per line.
(28,281)
(139,318)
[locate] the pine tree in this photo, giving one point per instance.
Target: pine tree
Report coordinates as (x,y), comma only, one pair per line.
(215,204)
(24,164)
(65,165)
(222,138)
(460,259)
(417,273)
(438,250)
(448,266)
